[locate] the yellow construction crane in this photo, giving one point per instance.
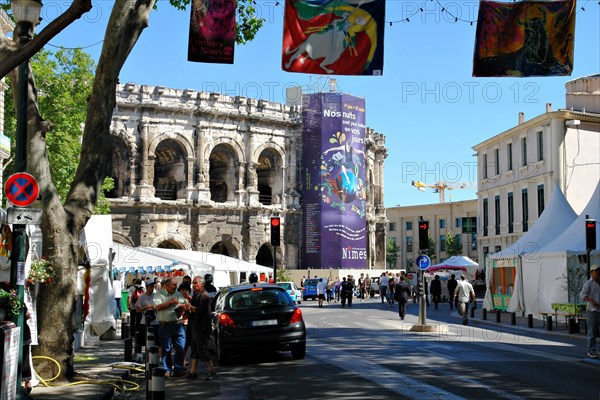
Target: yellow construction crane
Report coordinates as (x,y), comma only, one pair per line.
(441,187)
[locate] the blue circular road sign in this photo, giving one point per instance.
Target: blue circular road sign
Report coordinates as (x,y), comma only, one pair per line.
(423,262)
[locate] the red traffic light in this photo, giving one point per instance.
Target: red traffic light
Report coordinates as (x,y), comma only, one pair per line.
(275,221)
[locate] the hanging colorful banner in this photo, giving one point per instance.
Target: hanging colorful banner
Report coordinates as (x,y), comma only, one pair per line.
(529,38)
(334,181)
(212,31)
(339,37)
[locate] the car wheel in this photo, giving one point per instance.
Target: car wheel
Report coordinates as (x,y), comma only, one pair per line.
(304,299)
(299,351)
(222,355)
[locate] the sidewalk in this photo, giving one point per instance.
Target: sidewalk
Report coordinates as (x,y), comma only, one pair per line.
(521,323)
(93,362)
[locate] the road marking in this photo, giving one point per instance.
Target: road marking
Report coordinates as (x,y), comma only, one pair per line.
(389,379)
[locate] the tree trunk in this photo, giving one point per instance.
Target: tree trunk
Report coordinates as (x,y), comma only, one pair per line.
(62,225)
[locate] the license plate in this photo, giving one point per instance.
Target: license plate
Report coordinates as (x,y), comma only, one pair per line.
(265,322)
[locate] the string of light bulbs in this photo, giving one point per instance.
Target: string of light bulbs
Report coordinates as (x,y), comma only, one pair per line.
(407,19)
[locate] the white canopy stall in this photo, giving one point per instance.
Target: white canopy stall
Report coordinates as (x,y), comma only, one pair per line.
(133,261)
(225,270)
(514,286)
(557,272)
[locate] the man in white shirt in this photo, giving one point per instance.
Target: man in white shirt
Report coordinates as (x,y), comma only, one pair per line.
(118,289)
(383,286)
(321,288)
(591,294)
(464,293)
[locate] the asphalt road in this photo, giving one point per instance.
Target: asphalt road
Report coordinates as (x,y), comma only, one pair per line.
(368,352)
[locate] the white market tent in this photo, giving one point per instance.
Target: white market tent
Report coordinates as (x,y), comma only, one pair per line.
(558,262)
(462,263)
(131,260)
(529,283)
(225,270)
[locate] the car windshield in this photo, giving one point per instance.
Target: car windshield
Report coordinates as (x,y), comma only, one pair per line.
(285,285)
(258,298)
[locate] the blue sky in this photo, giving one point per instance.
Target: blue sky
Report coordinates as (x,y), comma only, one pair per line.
(427,104)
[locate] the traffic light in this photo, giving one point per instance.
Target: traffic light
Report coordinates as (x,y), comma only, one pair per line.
(423,235)
(275,231)
(590,234)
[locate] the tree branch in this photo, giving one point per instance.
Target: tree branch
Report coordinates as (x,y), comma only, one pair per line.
(18,55)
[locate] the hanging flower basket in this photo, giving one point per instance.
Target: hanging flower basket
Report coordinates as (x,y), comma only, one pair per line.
(9,301)
(41,272)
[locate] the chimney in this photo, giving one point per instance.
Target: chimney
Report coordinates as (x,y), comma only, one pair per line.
(548,107)
(521,117)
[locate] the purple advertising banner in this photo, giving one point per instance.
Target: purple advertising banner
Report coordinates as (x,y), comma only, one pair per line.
(334,177)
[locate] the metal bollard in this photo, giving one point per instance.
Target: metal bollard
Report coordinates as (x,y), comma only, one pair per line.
(484,314)
(157,391)
(128,350)
(125,330)
(498,316)
(549,322)
(513,318)
(151,363)
(573,328)
(530,320)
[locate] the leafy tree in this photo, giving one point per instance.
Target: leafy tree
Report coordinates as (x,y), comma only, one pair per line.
(64,82)
(430,252)
(63,219)
(284,275)
(392,253)
(453,244)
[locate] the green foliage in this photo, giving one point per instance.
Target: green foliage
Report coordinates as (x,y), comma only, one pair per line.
(103,205)
(573,280)
(64,81)
(392,253)
(9,301)
(284,275)
(430,252)
(453,245)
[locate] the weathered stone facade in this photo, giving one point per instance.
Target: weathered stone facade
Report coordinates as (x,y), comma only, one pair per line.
(205,171)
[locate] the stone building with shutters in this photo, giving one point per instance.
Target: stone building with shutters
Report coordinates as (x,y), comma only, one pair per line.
(205,171)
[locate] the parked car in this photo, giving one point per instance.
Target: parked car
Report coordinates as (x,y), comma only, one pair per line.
(255,318)
(292,290)
(309,290)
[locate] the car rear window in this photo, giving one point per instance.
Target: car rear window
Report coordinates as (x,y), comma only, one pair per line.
(285,285)
(258,298)
(311,282)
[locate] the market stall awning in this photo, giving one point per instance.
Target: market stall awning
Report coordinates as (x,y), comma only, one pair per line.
(132,260)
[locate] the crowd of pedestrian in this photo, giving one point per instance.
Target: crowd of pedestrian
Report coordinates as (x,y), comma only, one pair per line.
(395,288)
(179,314)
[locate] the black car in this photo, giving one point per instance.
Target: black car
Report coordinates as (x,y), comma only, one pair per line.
(253,318)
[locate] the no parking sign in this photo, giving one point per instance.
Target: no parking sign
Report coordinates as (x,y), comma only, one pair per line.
(21,189)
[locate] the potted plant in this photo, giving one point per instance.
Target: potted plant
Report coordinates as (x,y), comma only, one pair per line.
(41,272)
(9,303)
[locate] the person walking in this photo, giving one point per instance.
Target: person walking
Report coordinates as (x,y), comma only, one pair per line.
(144,306)
(169,303)
(402,293)
(464,293)
(321,288)
(329,290)
(200,320)
(436,291)
(590,293)
(118,289)
(383,286)
(350,290)
(451,289)
(336,288)
(343,290)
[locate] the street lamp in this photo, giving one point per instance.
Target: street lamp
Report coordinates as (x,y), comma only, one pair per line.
(27,15)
